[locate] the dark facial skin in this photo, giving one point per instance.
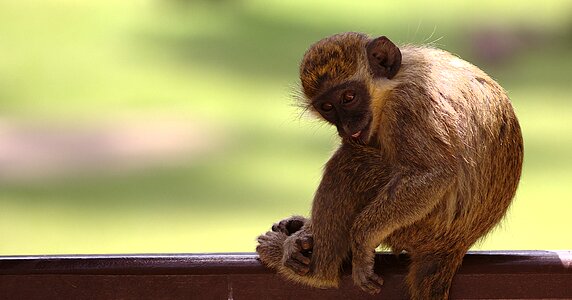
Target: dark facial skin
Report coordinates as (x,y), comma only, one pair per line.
(347,106)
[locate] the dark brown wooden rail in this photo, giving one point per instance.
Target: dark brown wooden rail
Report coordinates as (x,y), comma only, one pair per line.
(483,275)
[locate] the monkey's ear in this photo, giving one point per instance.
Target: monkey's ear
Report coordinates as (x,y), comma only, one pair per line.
(384,57)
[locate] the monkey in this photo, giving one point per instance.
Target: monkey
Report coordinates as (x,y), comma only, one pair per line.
(429,161)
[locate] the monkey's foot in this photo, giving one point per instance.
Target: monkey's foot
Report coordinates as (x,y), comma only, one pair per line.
(367,280)
(289,225)
(270,248)
(298,252)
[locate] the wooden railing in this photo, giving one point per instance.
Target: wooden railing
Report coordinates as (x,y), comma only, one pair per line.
(483,275)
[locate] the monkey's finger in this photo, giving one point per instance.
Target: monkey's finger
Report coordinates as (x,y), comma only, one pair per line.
(293,225)
(373,284)
(371,289)
(377,279)
(306,243)
(259,248)
(297,267)
(279,227)
(267,237)
(300,258)
(261,239)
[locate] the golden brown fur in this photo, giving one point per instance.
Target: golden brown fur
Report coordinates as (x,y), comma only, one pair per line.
(439,169)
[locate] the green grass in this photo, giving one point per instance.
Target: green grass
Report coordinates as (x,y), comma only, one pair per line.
(234,65)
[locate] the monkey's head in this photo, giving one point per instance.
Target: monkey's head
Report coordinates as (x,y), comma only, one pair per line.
(338,75)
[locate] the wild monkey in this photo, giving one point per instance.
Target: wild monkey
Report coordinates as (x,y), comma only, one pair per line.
(429,162)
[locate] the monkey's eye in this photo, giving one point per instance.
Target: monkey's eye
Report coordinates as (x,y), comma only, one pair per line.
(348,97)
(327,106)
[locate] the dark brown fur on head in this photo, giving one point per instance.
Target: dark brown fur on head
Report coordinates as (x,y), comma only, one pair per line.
(338,77)
(330,61)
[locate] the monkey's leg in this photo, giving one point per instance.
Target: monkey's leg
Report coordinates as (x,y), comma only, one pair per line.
(430,274)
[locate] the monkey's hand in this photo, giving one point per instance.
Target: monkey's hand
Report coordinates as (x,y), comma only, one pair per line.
(366,279)
(298,252)
(289,225)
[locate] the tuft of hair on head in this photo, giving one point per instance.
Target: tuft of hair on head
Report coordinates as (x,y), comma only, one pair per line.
(330,61)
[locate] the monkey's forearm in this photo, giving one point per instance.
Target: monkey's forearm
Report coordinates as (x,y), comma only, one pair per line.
(406,199)
(353,176)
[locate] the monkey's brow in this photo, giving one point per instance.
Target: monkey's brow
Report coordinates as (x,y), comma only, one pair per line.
(335,88)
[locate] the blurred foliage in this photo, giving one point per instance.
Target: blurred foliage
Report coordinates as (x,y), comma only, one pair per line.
(233,65)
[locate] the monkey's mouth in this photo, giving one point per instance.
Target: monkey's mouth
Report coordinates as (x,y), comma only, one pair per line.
(362,134)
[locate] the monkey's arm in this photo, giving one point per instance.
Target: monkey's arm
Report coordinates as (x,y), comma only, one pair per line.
(352,177)
(422,172)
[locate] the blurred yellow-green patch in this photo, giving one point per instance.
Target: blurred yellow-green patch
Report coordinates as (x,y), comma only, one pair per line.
(170,126)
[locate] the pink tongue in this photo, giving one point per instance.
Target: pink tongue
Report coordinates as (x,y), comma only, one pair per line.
(356,134)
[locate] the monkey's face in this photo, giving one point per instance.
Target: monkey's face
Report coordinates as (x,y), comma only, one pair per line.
(347,106)
(335,73)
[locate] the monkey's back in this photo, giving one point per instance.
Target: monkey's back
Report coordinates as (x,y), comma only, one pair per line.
(478,120)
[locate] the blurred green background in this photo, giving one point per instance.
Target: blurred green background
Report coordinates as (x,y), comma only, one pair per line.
(169,126)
